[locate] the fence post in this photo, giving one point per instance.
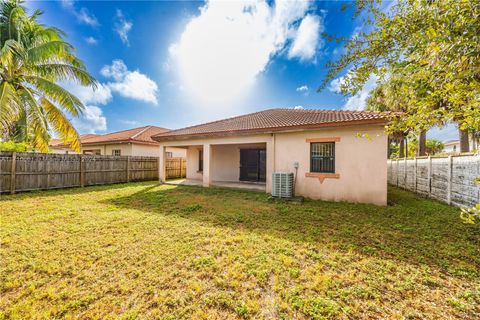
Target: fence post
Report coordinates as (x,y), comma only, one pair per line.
(405,174)
(13,173)
(128,168)
(449,179)
(429,176)
(396,172)
(180,166)
(415,175)
(82,171)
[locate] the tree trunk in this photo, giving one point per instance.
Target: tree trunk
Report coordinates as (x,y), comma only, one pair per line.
(389,153)
(464,143)
(401,149)
(422,144)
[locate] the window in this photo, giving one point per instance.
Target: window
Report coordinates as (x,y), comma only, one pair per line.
(200,160)
(116,152)
(322,157)
(169,154)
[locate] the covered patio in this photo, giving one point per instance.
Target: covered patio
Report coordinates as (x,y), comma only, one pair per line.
(225,184)
(241,163)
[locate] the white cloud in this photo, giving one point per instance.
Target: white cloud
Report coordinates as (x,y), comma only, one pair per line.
(222,50)
(335,85)
(130,84)
(117,70)
(130,122)
(122,27)
(303,89)
(298,108)
(91,121)
(82,15)
(88,95)
(91,40)
(306,39)
(359,101)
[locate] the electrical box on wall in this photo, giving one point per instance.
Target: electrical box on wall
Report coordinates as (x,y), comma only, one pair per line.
(296,164)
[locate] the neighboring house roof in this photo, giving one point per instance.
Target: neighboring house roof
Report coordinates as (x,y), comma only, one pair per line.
(275,120)
(451,142)
(59,143)
(140,135)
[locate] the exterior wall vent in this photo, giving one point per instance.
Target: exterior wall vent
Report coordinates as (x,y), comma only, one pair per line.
(282,184)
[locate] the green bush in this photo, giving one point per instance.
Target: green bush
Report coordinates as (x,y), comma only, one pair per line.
(471,215)
(13,146)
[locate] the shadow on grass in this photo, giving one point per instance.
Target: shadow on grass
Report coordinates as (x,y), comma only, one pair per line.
(412,229)
(40,194)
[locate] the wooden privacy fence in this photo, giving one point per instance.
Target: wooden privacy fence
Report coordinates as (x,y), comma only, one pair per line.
(175,168)
(449,179)
(34,171)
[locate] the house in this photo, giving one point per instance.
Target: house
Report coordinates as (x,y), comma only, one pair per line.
(453,146)
(336,155)
(131,142)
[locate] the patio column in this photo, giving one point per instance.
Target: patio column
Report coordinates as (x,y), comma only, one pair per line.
(207,156)
(161,164)
(270,163)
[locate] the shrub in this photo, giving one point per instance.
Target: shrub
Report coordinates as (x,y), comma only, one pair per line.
(471,215)
(13,146)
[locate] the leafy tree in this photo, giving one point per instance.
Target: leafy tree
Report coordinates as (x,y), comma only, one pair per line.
(33,59)
(429,50)
(434,146)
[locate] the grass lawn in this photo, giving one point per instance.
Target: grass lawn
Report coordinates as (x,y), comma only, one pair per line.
(147,251)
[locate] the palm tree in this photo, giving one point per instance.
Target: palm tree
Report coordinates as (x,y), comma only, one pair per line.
(382,99)
(33,59)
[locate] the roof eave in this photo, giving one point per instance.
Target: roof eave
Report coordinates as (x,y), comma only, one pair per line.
(269,130)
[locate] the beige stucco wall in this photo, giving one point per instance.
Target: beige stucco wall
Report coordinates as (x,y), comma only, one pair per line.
(192,163)
(61,151)
(361,162)
(226,161)
(147,150)
(176,152)
(126,149)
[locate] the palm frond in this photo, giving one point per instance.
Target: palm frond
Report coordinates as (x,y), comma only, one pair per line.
(62,71)
(9,104)
(43,52)
(36,120)
(8,51)
(65,99)
(61,125)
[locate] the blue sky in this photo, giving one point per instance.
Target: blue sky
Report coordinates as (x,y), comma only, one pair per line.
(174,64)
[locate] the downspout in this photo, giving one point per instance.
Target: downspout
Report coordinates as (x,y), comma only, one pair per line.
(274,150)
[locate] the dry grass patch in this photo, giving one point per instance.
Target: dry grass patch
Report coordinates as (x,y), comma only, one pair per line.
(147,251)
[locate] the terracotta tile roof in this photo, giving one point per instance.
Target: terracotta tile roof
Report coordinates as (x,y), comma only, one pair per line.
(139,135)
(275,120)
(59,143)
